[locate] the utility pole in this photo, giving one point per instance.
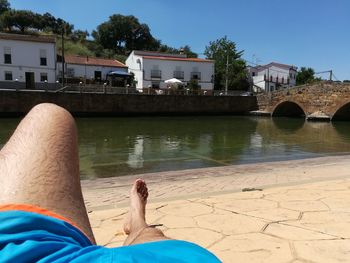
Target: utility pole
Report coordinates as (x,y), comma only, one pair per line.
(330,75)
(226,83)
(63,60)
(268,80)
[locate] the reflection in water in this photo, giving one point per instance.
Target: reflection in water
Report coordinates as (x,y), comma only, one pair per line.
(123,146)
(135,159)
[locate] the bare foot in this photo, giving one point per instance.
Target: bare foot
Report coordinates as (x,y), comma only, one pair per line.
(138,198)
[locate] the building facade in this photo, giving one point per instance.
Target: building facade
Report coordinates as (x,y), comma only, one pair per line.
(152,69)
(272,76)
(27,61)
(88,69)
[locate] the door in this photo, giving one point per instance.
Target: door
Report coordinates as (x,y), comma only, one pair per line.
(30,80)
(98,76)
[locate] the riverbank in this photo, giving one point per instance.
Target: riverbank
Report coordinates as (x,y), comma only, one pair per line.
(297,209)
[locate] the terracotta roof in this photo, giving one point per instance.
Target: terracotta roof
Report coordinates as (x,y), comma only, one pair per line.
(30,38)
(179,59)
(80,60)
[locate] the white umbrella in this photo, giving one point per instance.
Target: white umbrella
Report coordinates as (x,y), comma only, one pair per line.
(173,81)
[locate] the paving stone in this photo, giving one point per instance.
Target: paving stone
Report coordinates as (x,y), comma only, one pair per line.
(304,205)
(276,214)
(254,247)
(203,237)
(324,251)
(230,223)
(246,205)
(171,221)
(298,195)
(186,209)
(294,233)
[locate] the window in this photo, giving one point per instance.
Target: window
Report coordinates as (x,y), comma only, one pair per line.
(7,55)
(196,75)
(253,74)
(43,77)
(43,59)
(8,75)
(155,73)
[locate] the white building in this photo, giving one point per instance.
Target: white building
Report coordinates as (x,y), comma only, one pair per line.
(153,68)
(272,76)
(27,61)
(89,68)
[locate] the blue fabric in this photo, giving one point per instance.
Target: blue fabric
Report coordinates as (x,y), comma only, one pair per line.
(31,237)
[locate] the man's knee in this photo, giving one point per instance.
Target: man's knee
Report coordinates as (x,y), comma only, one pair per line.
(52,112)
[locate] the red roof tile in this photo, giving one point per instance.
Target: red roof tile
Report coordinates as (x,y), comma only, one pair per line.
(92,61)
(179,59)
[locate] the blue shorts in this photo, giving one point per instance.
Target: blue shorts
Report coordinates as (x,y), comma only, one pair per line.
(35,237)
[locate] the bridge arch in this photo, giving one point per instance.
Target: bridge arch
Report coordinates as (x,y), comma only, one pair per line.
(288,109)
(343,113)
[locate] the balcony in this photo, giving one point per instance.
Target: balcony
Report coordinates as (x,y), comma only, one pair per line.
(156,74)
(196,75)
(179,74)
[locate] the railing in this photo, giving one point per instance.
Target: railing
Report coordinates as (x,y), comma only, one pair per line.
(156,74)
(196,75)
(179,74)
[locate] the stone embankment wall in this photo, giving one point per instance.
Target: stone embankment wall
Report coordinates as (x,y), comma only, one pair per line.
(12,102)
(320,98)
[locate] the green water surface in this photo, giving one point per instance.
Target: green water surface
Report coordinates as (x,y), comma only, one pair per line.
(123,146)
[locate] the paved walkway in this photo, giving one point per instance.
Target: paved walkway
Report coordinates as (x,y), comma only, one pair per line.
(304,219)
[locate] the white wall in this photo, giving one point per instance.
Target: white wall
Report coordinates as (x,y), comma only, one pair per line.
(80,71)
(167,67)
(25,56)
(136,68)
(275,72)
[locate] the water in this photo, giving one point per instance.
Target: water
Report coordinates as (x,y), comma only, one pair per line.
(124,146)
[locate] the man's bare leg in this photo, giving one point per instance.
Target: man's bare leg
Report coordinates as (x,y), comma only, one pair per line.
(39,165)
(136,227)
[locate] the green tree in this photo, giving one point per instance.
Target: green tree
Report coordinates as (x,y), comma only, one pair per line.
(18,20)
(123,34)
(228,64)
(187,50)
(4,6)
(79,35)
(305,76)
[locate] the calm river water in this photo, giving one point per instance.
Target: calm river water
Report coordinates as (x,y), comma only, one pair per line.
(123,146)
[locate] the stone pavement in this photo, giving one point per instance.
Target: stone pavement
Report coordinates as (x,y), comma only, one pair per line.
(302,221)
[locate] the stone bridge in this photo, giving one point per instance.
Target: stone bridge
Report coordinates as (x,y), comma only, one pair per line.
(320,101)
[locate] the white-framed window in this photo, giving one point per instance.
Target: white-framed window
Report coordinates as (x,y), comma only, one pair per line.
(43,57)
(7,55)
(43,77)
(8,75)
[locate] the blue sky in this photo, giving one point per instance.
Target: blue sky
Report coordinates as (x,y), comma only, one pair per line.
(312,33)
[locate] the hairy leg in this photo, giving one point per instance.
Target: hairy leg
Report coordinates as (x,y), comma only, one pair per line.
(39,165)
(136,227)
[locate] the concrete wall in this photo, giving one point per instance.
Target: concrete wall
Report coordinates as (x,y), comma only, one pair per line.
(12,102)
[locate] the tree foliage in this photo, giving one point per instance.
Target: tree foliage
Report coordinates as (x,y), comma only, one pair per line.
(26,21)
(227,59)
(124,34)
(305,76)
(4,6)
